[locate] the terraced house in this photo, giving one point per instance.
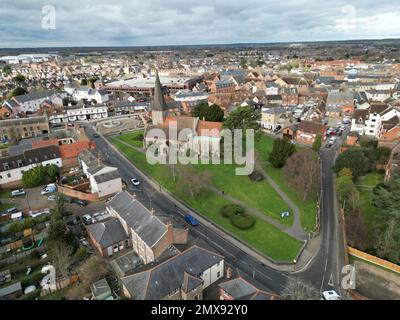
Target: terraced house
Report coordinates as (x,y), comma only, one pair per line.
(149,236)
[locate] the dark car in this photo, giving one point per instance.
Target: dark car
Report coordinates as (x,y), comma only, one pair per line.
(96,135)
(191,220)
(79,202)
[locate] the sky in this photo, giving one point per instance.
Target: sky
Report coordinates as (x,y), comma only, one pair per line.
(65,23)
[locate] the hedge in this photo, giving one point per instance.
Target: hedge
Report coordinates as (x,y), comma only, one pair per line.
(243,221)
(231,209)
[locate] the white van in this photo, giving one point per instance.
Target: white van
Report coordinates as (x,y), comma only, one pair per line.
(50,188)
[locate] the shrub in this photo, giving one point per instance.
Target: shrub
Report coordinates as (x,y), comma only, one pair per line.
(256,176)
(35,255)
(80,254)
(243,221)
(33,279)
(231,210)
(31,296)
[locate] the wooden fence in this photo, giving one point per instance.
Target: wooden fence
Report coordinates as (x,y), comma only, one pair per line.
(374,260)
(60,284)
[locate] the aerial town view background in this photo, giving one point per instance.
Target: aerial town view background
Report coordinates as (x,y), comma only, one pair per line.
(94,109)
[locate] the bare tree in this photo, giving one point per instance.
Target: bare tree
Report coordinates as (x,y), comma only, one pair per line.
(302,172)
(356,231)
(61,254)
(77,292)
(92,270)
(296,289)
(192,181)
(387,242)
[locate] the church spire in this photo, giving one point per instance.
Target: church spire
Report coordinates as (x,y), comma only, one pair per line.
(158,103)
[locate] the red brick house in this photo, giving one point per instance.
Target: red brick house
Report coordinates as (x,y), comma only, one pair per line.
(308,130)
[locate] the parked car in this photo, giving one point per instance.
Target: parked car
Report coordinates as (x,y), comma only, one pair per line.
(82,203)
(52,198)
(135,182)
(191,220)
(19,192)
(12,210)
(87,219)
(330,295)
(96,135)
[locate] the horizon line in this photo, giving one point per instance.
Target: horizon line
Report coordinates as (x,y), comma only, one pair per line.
(202,45)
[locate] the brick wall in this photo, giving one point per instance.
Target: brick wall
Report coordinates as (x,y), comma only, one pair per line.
(78,194)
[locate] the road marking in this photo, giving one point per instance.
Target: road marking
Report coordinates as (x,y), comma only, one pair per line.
(330,282)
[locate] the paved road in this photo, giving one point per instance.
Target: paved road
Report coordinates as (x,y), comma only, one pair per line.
(325,269)
(326,262)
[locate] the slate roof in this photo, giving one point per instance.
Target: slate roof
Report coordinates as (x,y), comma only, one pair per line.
(108,176)
(108,233)
(190,282)
(165,278)
(149,228)
(100,288)
(10,289)
(240,289)
(34,96)
(29,156)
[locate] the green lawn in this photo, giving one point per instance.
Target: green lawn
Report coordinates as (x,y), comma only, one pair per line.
(263,236)
(308,209)
(365,185)
(4,206)
(5,193)
(132,138)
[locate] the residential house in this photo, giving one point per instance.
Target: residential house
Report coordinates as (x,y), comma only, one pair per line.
(240,289)
(13,167)
(271,117)
(70,152)
(308,130)
(104,180)
(23,128)
(108,237)
(182,277)
(149,236)
(90,94)
(339,103)
(290,97)
(30,103)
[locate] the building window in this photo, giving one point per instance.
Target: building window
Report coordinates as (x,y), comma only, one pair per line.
(218,274)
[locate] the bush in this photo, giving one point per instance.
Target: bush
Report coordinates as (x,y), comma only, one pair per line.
(256,176)
(33,279)
(243,221)
(80,254)
(31,296)
(35,255)
(231,210)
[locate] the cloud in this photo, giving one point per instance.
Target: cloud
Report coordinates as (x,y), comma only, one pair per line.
(160,22)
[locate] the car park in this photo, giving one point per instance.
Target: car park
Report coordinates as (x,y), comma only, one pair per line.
(18,192)
(191,220)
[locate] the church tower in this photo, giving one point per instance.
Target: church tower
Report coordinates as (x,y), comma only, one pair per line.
(159,108)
